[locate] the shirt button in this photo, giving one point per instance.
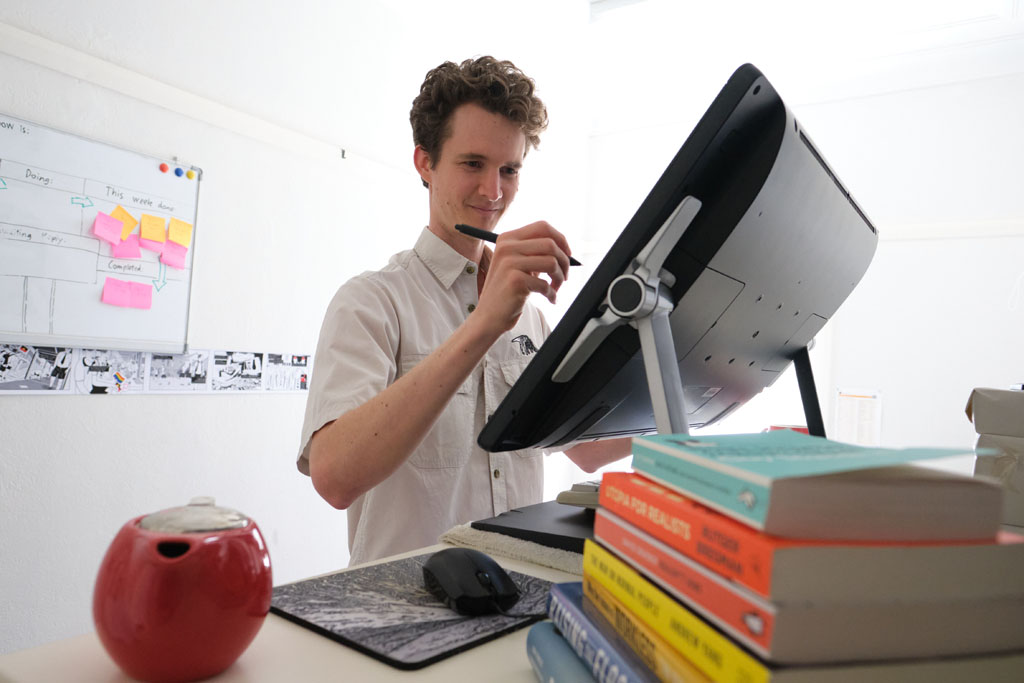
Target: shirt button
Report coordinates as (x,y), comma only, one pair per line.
(470,269)
(471,308)
(497,473)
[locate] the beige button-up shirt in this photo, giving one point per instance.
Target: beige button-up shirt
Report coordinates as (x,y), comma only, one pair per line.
(380,325)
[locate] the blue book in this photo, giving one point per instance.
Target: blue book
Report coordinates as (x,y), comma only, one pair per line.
(793,485)
(551,657)
(596,644)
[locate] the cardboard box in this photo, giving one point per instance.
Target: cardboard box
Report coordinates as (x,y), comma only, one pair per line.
(998,417)
(1008,468)
(996,411)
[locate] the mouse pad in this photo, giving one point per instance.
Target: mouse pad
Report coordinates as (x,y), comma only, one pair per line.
(384,611)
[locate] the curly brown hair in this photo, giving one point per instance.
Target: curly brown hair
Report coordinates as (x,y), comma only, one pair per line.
(498,86)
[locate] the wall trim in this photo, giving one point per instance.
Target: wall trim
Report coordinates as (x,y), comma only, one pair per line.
(66,60)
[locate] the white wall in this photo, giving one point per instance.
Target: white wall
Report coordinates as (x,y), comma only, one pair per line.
(261,96)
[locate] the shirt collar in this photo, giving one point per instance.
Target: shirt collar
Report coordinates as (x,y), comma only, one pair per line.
(444,262)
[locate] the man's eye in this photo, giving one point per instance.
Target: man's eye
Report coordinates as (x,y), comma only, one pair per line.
(511,171)
(473,164)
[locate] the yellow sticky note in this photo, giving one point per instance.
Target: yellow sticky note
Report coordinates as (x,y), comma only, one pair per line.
(128,222)
(180,232)
(153,228)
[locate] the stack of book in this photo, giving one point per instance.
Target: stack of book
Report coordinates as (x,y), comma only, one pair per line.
(786,557)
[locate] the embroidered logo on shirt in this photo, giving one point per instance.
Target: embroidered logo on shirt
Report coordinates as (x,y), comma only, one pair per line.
(526,346)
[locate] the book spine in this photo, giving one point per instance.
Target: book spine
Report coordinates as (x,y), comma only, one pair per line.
(667,664)
(710,651)
(741,499)
(748,618)
(721,544)
(592,647)
(551,657)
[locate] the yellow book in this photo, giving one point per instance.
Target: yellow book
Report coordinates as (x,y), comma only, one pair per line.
(667,664)
(713,653)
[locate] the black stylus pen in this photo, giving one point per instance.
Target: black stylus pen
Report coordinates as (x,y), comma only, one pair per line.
(488,236)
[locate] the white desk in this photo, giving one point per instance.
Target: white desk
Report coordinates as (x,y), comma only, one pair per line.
(283,651)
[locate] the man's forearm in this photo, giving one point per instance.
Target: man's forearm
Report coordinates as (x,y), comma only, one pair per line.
(361,448)
(592,455)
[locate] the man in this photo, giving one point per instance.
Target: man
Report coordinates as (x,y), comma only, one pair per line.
(412,358)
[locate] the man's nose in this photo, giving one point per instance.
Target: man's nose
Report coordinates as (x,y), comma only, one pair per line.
(490,186)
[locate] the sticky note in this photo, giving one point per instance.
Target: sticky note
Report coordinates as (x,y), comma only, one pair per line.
(141,296)
(127,294)
(116,292)
(158,247)
(174,255)
(128,221)
(107,228)
(180,232)
(153,228)
(129,248)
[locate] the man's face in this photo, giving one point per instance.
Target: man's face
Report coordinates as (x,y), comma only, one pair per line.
(477,175)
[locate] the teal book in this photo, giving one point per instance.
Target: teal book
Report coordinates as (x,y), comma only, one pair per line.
(793,485)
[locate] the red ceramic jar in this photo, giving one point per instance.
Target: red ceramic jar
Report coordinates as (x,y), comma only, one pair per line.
(182,592)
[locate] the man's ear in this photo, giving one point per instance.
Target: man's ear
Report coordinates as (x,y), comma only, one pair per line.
(421,160)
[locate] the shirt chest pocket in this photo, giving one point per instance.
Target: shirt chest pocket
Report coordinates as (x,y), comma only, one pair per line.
(499,376)
(451,439)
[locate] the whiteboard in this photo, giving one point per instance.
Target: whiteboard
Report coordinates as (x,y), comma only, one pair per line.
(54,269)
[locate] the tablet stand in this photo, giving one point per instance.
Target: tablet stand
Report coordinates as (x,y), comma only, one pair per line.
(808,392)
(641,297)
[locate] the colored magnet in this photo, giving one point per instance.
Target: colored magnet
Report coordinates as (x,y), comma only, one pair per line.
(179,172)
(190,173)
(164,168)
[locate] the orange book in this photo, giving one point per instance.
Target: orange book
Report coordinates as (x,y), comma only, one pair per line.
(792,570)
(740,612)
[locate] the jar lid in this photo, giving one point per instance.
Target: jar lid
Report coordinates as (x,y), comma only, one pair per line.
(199,515)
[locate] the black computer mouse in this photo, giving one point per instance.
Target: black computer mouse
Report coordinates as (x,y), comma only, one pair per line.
(469,581)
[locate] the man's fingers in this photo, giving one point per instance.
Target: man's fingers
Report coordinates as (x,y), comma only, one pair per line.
(545,254)
(540,230)
(538,264)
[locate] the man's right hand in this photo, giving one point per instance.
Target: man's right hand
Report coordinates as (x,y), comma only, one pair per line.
(534,258)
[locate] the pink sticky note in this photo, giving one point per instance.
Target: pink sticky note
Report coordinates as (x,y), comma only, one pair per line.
(174,255)
(141,296)
(158,247)
(127,249)
(107,228)
(128,294)
(116,292)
